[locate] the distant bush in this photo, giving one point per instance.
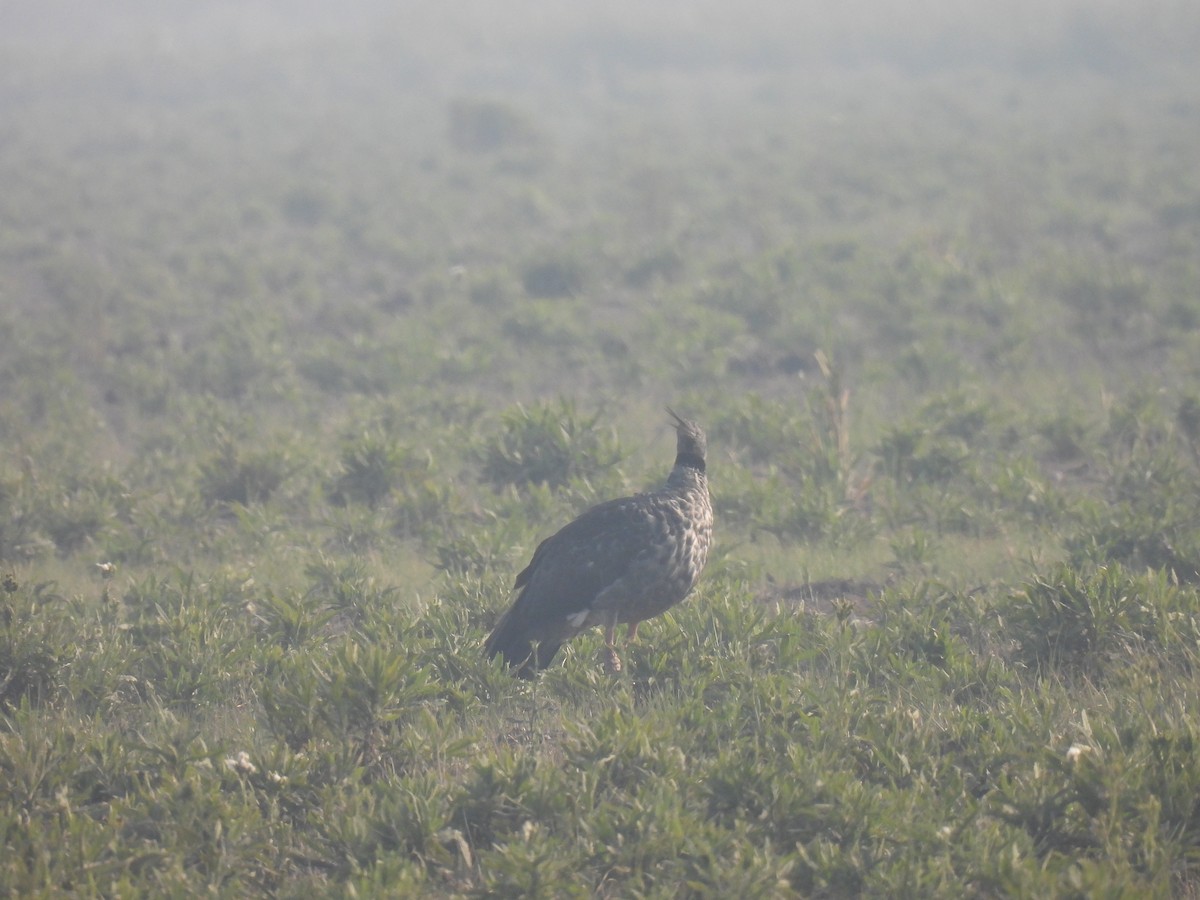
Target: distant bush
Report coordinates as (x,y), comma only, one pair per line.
(305,206)
(234,475)
(550,444)
(1064,621)
(475,549)
(937,445)
(552,275)
(663,265)
(485,126)
(79,509)
(372,465)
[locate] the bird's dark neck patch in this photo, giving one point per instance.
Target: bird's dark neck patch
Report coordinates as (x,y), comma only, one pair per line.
(691,461)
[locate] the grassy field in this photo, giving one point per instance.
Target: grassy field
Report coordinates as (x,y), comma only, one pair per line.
(313,322)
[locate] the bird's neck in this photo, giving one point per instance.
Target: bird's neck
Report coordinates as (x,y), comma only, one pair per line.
(688,473)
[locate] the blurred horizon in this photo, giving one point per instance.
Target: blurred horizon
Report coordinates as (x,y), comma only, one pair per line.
(1112,37)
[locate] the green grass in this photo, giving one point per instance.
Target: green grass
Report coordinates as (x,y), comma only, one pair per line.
(308,337)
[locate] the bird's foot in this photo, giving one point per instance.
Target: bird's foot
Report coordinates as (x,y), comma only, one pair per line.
(612,662)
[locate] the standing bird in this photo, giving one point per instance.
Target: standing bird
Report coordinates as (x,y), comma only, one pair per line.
(621,561)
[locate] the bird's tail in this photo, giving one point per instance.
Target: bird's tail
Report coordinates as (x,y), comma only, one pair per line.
(509,640)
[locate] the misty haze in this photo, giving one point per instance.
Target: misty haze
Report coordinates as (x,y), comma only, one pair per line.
(317,319)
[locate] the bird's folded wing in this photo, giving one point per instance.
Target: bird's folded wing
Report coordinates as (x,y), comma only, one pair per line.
(587,557)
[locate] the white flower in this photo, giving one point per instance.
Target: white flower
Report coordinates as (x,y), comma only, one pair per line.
(241,763)
(1076,751)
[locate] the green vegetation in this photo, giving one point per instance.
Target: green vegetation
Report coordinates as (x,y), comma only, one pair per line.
(312,326)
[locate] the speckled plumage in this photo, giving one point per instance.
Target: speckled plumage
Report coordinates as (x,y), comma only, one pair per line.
(623,561)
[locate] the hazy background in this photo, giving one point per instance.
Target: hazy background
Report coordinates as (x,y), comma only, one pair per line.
(316,318)
(177,173)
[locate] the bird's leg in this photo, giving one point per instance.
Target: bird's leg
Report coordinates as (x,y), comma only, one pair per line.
(612,662)
(632,636)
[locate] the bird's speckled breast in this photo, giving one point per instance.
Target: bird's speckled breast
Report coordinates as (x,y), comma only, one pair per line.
(668,569)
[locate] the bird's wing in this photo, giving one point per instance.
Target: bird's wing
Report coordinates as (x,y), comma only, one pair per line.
(572,567)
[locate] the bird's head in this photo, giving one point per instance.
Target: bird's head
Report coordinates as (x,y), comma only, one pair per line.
(691,445)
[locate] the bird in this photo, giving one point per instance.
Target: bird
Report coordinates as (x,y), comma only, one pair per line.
(620,562)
